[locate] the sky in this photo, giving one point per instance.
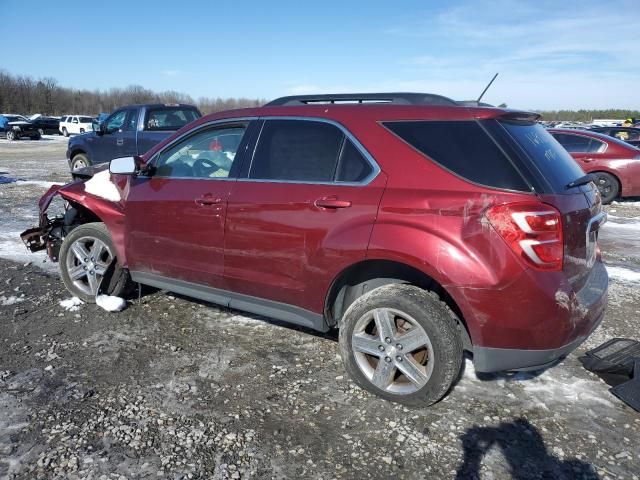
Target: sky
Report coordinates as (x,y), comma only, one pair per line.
(549,54)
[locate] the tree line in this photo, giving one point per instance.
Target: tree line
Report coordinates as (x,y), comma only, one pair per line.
(26,95)
(588,115)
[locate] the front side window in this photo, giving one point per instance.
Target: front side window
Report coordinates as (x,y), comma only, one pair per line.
(206,154)
(169,119)
(306,151)
(132,120)
(116,121)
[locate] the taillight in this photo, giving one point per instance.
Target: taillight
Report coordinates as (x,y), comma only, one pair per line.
(532,230)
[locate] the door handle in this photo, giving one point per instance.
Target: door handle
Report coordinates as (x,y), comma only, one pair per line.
(331,202)
(208,200)
(120,142)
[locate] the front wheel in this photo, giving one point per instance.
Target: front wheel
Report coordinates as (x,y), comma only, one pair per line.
(40,131)
(11,135)
(79,161)
(85,256)
(608,186)
(401,343)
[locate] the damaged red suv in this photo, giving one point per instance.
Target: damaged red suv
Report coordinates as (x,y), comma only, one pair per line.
(418,227)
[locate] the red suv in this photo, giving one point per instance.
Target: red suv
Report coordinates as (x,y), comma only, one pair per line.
(614,164)
(418,227)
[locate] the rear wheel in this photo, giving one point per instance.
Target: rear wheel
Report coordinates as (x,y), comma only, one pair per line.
(65,132)
(608,186)
(79,161)
(82,130)
(36,137)
(401,343)
(41,131)
(84,257)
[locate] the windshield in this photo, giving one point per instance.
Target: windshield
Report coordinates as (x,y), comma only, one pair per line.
(549,157)
(15,118)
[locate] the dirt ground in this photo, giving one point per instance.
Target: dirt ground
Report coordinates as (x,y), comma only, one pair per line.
(176,388)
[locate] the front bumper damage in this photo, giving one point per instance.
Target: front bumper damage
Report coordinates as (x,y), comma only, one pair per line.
(50,232)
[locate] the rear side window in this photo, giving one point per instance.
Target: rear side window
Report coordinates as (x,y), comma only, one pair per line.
(352,167)
(464,148)
(579,143)
(297,150)
(169,119)
(550,159)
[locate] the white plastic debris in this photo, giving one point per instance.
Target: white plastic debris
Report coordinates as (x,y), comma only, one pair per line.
(101,186)
(111,303)
(71,304)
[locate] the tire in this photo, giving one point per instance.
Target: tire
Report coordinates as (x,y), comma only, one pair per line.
(434,364)
(65,132)
(608,185)
(36,137)
(94,240)
(79,161)
(11,135)
(41,131)
(82,130)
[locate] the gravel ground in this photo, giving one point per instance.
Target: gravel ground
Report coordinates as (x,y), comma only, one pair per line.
(176,388)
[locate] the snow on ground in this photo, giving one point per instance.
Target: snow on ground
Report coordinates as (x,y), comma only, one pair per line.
(10,300)
(39,183)
(12,248)
(623,274)
(101,185)
(71,304)
(111,303)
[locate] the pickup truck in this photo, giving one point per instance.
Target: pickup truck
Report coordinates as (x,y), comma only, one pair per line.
(128,131)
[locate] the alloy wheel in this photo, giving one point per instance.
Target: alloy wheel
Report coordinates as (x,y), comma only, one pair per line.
(393,351)
(87,261)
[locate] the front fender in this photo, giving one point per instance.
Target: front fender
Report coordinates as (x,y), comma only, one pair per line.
(109,212)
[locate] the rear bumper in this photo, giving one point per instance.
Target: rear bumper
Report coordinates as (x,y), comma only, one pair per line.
(487,359)
(537,319)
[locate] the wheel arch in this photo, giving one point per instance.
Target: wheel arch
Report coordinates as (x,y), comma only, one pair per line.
(362,277)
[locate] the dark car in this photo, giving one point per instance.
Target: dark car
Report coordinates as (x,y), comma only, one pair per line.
(626,134)
(614,164)
(417,227)
(130,130)
(15,127)
(47,125)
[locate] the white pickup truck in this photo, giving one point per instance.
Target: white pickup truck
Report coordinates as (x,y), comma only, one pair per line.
(75,124)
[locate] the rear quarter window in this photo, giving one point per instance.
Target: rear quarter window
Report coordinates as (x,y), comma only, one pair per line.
(464,148)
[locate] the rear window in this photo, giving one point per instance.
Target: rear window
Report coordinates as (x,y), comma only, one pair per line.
(549,157)
(464,148)
(169,119)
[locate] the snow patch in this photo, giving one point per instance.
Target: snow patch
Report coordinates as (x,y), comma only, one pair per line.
(71,304)
(623,274)
(11,300)
(101,186)
(628,204)
(111,303)
(39,183)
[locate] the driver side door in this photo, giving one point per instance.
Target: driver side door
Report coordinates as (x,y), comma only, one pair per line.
(175,215)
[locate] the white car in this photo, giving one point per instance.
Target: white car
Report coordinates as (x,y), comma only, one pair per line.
(75,124)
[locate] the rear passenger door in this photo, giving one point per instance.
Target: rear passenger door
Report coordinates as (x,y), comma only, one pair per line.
(303,212)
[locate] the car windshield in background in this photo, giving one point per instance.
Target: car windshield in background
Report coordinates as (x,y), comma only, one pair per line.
(15,118)
(550,158)
(170,118)
(86,119)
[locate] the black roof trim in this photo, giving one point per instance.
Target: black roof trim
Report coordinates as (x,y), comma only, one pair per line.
(397,98)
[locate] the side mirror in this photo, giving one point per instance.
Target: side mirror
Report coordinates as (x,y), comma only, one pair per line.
(124,165)
(99,128)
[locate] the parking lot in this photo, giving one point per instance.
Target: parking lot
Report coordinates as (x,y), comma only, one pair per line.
(177,388)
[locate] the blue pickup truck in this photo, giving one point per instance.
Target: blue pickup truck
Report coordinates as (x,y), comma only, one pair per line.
(128,131)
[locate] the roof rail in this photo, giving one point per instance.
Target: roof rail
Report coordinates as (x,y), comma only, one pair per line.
(365,98)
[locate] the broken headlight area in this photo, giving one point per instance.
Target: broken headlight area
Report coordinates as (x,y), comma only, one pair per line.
(53,228)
